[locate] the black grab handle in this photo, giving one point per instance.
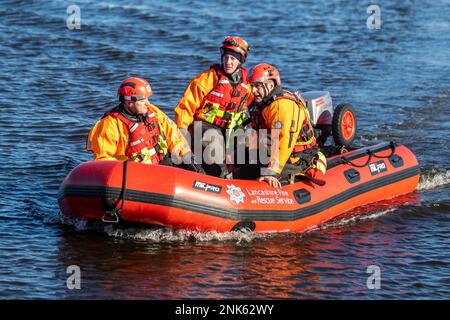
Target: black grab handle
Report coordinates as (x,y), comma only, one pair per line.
(393,146)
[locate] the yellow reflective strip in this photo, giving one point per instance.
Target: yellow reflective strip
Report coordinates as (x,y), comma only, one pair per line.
(321,163)
(322,157)
(302,143)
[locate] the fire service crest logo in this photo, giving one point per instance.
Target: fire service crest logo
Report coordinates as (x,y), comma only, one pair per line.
(236,194)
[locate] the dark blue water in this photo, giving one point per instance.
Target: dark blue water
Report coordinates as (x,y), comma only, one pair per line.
(55,83)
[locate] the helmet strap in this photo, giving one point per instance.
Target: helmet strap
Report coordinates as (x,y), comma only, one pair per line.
(270,94)
(129,107)
(131,114)
(142,118)
(266,90)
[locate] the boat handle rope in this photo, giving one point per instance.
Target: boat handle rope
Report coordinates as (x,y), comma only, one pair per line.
(113,216)
(371,154)
(393,146)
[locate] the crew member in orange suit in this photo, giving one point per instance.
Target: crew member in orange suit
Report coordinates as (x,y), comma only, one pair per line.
(218,98)
(276,109)
(137,130)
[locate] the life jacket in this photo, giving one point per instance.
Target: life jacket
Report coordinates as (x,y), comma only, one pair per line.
(306,138)
(225,106)
(144,138)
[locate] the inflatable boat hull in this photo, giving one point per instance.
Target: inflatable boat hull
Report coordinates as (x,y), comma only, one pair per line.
(180,199)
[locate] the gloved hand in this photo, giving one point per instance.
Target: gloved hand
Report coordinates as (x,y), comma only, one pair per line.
(188,163)
(195,167)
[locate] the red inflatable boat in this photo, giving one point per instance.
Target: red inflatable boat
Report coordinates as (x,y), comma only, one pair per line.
(114,191)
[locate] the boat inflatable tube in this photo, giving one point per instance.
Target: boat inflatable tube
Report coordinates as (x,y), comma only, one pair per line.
(113,191)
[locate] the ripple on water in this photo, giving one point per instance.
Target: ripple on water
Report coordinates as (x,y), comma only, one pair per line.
(397,78)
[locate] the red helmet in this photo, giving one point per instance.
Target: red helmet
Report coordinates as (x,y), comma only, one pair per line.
(264,72)
(133,89)
(236,44)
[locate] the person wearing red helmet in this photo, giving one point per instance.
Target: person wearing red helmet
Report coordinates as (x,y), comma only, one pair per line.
(137,130)
(217,97)
(276,109)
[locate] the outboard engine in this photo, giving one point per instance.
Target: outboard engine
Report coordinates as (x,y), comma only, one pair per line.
(326,120)
(320,107)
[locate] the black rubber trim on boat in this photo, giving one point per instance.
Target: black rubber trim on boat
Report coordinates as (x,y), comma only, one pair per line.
(234,214)
(359,153)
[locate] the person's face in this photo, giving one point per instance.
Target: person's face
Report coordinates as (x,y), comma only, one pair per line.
(259,91)
(229,63)
(137,107)
(141,106)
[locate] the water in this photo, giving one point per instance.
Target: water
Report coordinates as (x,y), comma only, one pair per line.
(56,83)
